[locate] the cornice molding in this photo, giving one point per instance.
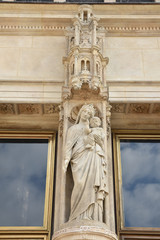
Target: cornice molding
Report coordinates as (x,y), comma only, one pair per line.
(28,27)
(59,30)
(53,19)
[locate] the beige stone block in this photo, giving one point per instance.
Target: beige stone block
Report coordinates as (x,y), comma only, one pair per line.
(30,92)
(124,64)
(26,87)
(53,42)
(15,41)
(29,87)
(52,87)
(131,42)
(8,62)
(135,95)
(147,89)
(59,0)
(109,1)
(158,39)
(21,97)
(42,63)
(152,64)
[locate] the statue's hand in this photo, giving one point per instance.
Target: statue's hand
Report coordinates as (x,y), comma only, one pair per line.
(87,130)
(66,162)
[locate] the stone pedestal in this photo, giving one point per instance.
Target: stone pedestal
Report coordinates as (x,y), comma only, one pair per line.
(88,230)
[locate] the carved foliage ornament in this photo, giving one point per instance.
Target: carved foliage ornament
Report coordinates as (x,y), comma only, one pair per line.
(118,108)
(51,108)
(7,108)
(138,108)
(29,108)
(156,108)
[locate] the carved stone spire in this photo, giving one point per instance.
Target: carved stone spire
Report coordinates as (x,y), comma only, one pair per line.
(85,60)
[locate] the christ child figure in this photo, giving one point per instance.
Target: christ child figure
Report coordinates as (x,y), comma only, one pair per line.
(95,136)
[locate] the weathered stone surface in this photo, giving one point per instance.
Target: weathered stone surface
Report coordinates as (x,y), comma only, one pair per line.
(89,230)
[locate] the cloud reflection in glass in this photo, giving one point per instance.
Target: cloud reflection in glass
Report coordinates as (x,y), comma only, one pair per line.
(141,182)
(23,164)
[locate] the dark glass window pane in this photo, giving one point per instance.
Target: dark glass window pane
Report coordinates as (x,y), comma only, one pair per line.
(35,1)
(23,164)
(141,182)
(86,1)
(135,1)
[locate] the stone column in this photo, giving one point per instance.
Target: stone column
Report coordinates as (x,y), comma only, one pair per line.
(76,33)
(94,64)
(76,63)
(94,33)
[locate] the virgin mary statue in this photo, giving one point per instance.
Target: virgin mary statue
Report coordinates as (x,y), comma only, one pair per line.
(88,171)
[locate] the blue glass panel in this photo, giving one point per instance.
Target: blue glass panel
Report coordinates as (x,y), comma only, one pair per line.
(23,164)
(141,182)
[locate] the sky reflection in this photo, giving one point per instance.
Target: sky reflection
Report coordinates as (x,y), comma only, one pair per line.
(141,182)
(22,182)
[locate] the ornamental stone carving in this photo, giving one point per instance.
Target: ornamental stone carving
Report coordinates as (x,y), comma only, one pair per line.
(85,62)
(86,232)
(29,108)
(118,108)
(51,108)
(156,108)
(138,108)
(7,108)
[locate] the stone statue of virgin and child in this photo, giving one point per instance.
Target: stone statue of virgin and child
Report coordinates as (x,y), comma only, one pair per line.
(85,151)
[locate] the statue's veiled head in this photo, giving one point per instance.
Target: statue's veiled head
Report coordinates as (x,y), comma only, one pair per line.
(87,111)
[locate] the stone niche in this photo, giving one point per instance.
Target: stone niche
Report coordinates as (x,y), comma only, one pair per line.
(84,194)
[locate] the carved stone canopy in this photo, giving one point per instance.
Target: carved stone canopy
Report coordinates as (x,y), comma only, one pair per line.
(84,62)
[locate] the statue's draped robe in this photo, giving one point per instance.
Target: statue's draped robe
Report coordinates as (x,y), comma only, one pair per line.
(87,172)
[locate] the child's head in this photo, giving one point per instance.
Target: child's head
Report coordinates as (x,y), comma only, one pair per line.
(95,122)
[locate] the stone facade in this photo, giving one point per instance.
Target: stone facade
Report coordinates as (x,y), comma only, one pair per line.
(42,50)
